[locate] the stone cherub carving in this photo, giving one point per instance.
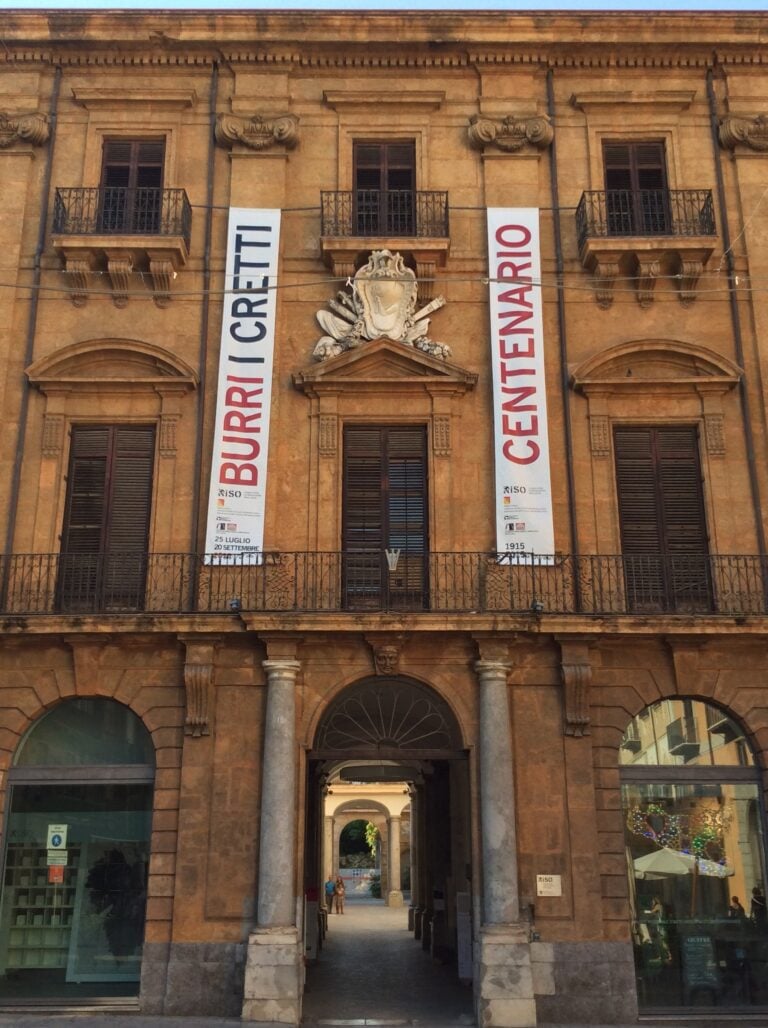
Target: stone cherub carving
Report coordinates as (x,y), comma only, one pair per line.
(382,304)
(26,128)
(257,133)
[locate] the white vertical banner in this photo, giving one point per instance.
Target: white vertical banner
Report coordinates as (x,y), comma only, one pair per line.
(235,531)
(523,501)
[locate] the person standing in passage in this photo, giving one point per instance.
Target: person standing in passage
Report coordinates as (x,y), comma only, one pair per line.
(330,888)
(757,909)
(339,892)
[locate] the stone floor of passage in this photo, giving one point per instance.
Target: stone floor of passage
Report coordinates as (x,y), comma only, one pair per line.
(371,967)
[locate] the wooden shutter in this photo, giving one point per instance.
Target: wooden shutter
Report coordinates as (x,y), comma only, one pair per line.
(640,165)
(385,508)
(106,523)
(133,163)
(661,515)
(84,518)
(130,488)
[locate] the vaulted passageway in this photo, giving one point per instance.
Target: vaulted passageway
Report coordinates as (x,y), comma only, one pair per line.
(372,968)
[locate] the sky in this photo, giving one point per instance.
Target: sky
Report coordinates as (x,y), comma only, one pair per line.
(400,5)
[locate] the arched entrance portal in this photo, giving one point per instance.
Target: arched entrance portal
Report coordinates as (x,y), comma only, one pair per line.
(76,854)
(396,744)
(693,822)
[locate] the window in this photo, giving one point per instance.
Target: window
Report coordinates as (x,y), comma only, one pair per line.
(661,518)
(106,521)
(637,198)
(694,845)
(131,185)
(385,180)
(72,919)
(385,516)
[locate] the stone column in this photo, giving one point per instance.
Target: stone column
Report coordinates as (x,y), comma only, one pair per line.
(273,970)
(497,797)
(415,890)
(328,861)
(504,990)
(395,895)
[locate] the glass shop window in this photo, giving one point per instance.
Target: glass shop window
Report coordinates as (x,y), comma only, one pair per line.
(694,835)
(76,855)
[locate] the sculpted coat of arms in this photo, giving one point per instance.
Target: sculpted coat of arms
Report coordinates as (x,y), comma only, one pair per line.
(382,304)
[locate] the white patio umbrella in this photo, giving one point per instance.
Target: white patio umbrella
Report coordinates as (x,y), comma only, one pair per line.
(665,862)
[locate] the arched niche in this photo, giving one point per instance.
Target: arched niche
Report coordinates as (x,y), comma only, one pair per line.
(106,381)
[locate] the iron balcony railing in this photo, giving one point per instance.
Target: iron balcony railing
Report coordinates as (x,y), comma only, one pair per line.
(645,212)
(387,212)
(119,211)
(370,581)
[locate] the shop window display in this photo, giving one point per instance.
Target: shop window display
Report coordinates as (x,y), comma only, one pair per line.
(76,854)
(694,843)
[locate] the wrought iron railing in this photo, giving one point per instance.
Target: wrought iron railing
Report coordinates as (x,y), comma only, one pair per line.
(117,210)
(384,212)
(115,583)
(645,212)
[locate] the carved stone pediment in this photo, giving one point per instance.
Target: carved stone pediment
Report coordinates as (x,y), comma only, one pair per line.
(23,128)
(256,132)
(388,363)
(511,133)
(667,362)
(111,363)
(745,131)
(381,304)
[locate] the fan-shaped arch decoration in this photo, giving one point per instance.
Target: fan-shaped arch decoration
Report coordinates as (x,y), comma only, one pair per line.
(388,715)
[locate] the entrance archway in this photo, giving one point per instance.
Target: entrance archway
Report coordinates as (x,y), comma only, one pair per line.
(694,830)
(395,732)
(76,854)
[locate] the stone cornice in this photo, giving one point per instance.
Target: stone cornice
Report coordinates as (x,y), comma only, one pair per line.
(203,53)
(168,28)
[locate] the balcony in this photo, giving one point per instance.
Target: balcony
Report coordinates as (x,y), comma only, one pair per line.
(643,234)
(682,740)
(368,582)
(357,221)
(123,231)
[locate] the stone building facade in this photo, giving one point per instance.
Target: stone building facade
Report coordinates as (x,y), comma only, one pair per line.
(170,722)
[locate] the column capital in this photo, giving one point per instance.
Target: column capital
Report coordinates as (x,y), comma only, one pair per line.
(281,668)
(492,668)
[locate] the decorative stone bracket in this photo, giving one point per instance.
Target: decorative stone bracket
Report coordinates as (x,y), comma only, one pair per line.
(577,679)
(745,131)
(256,132)
(199,683)
(511,133)
(646,266)
(23,128)
(81,262)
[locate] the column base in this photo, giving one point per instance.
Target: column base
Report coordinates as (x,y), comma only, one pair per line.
(274,976)
(503,978)
(395,898)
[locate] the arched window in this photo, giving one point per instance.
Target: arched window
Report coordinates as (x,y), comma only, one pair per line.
(693,825)
(77,853)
